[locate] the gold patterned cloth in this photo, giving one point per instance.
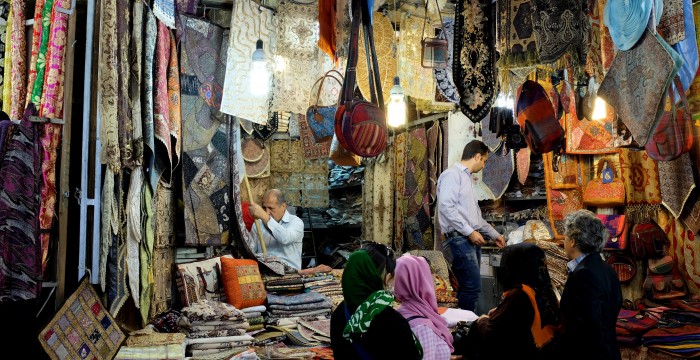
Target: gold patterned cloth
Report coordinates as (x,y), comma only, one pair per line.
(417,81)
(640,174)
(516,41)
(683,246)
(677,182)
(307,186)
(377,199)
(383,44)
(400,155)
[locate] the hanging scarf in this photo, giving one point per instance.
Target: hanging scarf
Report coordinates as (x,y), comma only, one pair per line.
(360,279)
(362,318)
(136,53)
(561,26)
(541,334)
(108,79)
(148,132)
(174,103)
(326,22)
(19,57)
(7,68)
(161,112)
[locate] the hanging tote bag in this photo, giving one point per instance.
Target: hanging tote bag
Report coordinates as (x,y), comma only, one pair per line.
(673,135)
(321,119)
(361,125)
(607,189)
(434,54)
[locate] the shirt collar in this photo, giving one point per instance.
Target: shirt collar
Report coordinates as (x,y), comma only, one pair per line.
(285,217)
(463,168)
(573,263)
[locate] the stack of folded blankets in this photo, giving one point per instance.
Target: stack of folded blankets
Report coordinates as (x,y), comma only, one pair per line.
(683,342)
(298,306)
(287,284)
(322,281)
(254,315)
(213,327)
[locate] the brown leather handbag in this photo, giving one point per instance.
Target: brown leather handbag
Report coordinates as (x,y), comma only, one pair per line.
(360,125)
(647,240)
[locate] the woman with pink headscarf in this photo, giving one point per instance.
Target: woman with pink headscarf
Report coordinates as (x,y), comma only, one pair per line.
(414,287)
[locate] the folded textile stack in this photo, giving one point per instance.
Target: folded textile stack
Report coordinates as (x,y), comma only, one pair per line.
(682,341)
(211,319)
(299,305)
(632,325)
(149,344)
(326,284)
(254,315)
(287,284)
(216,345)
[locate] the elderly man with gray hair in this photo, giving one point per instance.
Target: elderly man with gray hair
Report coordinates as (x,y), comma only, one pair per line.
(283,232)
(592,296)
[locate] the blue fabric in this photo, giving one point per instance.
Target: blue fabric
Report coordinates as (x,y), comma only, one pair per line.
(571,265)
(465,264)
(626,20)
(687,49)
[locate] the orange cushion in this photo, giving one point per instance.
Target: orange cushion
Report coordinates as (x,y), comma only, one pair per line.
(242,282)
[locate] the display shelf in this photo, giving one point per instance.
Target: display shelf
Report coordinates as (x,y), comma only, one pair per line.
(523,198)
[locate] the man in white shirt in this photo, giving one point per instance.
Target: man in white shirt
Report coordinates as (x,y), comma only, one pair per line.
(282,231)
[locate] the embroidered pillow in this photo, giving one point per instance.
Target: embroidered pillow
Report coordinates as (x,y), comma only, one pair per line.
(242,283)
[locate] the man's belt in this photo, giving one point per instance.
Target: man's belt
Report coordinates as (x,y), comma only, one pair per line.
(452,234)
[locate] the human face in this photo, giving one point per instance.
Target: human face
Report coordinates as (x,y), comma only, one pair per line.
(480,162)
(569,247)
(272,208)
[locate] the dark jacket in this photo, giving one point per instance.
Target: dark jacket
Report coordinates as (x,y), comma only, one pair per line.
(389,337)
(589,307)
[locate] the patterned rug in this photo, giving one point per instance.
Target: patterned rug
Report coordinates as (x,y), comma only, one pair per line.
(307,185)
(416,192)
(684,247)
(677,182)
(497,173)
(474,44)
(516,41)
(443,77)
(640,174)
(560,26)
(312,149)
(82,328)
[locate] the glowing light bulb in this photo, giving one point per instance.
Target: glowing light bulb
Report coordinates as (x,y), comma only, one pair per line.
(396,114)
(259,74)
(505,101)
(599,112)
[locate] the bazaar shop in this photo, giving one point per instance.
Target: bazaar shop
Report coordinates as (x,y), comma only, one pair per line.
(361,179)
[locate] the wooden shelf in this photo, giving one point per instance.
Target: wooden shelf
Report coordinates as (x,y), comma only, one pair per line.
(523,198)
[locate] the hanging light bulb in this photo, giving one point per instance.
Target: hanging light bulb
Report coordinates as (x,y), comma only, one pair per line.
(396,115)
(505,101)
(599,111)
(259,74)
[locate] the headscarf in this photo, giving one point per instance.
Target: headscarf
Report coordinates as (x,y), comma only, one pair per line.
(415,289)
(524,266)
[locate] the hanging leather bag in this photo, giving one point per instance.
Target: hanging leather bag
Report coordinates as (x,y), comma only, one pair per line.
(673,135)
(647,240)
(617,227)
(321,119)
(607,189)
(360,125)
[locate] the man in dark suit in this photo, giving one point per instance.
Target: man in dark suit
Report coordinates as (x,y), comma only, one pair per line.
(592,297)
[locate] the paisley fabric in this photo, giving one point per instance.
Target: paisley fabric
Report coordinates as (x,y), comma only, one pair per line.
(443,77)
(148,131)
(522,162)
(248,24)
(671,25)
(20,245)
(475,72)
(19,57)
(516,38)
(383,33)
(312,149)
(161,112)
(108,82)
(416,80)
(4,15)
(206,144)
(164,10)
(497,173)
(418,227)
(640,174)
(174,111)
(400,151)
(561,26)
(378,202)
(676,181)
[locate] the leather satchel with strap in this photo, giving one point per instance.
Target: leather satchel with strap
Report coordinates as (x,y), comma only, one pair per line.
(673,135)
(321,119)
(360,125)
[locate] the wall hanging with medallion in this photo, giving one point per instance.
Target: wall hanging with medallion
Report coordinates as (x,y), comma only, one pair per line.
(516,37)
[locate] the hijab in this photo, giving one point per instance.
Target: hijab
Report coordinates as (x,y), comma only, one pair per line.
(415,289)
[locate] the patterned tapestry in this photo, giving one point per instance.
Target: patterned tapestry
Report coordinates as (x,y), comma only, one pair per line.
(377,199)
(443,77)
(135,82)
(640,174)
(691,213)
(607,47)
(694,92)
(108,79)
(248,24)
(163,254)
(475,71)
(671,26)
(148,132)
(594,61)
(684,247)
(570,171)
(516,38)
(497,173)
(561,26)
(206,147)
(161,105)
(416,80)
(677,182)
(588,136)
(286,156)
(307,185)
(20,244)
(383,33)
(416,193)
(434,155)
(312,149)
(400,154)
(4,14)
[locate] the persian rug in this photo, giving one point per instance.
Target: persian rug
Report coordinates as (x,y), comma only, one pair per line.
(416,193)
(588,136)
(522,162)
(82,328)
(20,181)
(383,33)
(640,174)
(677,182)
(416,80)
(560,26)
(569,174)
(475,71)
(206,141)
(286,156)
(671,26)
(248,24)
(312,149)
(443,77)
(400,155)
(378,201)
(516,41)
(497,173)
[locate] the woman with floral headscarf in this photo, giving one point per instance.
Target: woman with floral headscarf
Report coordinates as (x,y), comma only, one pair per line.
(415,289)
(524,323)
(365,325)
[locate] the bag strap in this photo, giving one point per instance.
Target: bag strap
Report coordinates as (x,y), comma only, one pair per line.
(350,78)
(681,93)
(378,97)
(425,19)
(329,74)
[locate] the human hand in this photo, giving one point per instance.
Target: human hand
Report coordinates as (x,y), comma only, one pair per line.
(257,211)
(501,241)
(476,238)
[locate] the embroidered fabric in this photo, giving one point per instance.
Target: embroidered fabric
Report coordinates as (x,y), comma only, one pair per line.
(443,77)
(516,40)
(416,80)
(135,84)
(561,26)
(108,78)
(297,31)
(291,86)
(248,24)
(133,233)
(342,28)
(19,57)
(4,14)
(384,46)
(378,201)
(671,24)
(676,181)
(148,130)
(164,10)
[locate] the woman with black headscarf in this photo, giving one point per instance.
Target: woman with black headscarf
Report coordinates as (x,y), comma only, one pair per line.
(524,323)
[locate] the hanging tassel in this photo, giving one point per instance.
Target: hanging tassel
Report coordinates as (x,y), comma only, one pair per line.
(479,125)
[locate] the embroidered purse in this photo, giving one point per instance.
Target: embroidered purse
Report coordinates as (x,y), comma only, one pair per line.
(673,135)
(321,119)
(434,54)
(607,189)
(617,231)
(647,240)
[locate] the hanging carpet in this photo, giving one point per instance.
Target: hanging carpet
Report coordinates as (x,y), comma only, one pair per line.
(516,41)
(497,173)
(640,174)
(677,182)
(594,60)
(378,199)
(443,77)
(163,254)
(206,143)
(561,26)
(418,228)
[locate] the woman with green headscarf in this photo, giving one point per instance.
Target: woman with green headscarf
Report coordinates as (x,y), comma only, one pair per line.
(366,326)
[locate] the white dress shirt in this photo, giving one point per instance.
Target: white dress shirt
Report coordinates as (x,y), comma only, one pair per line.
(282,239)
